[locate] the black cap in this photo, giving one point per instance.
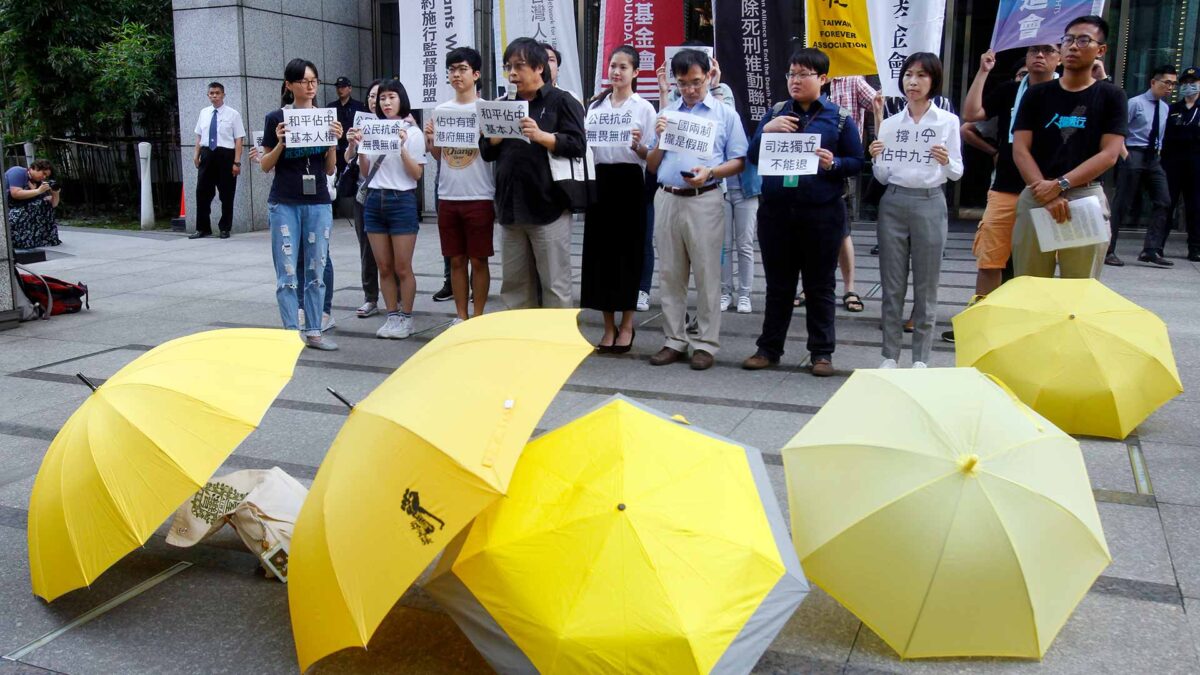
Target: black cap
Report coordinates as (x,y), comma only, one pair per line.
(1192,73)
(342,82)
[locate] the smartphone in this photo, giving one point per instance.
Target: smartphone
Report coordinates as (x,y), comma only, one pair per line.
(687,174)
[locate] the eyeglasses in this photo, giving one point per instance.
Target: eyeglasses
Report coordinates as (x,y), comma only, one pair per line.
(1047,49)
(518,65)
(1081,41)
(1169,84)
(311,82)
(793,77)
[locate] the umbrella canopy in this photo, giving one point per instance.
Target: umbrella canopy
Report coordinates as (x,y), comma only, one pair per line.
(144,442)
(1087,359)
(628,543)
(415,461)
(953,520)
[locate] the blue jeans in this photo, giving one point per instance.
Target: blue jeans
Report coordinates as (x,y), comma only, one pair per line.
(292,224)
(327,279)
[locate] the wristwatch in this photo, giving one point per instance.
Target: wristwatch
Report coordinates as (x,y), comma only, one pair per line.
(237,163)
(1064,184)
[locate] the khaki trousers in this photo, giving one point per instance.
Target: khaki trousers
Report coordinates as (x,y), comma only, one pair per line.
(1083,262)
(689,233)
(533,254)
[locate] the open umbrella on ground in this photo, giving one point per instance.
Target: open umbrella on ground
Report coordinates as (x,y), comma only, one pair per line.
(416,460)
(953,520)
(628,543)
(1086,358)
(143,443)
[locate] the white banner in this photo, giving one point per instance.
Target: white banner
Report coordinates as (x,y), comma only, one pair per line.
(455,129)
(360,117)
(670,52)
(689,134)
(788,154)
(502,119)
(382,137)
(912,146)
(429,29)
(902,28)
(309,127)
(551,21)
(610,128)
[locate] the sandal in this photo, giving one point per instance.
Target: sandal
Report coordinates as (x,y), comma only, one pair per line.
(852,302)
(799,301)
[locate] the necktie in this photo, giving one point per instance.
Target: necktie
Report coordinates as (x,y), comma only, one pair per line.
(213,131)
(1154,144)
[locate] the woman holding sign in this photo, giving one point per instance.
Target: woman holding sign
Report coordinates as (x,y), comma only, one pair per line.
(918,151)
(390,216)
(615,228)
(299,205)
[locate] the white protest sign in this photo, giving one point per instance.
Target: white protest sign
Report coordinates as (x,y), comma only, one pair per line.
(309,127)
(428,30)
(610,128)
(902,28)
(909,145)
(360,117)
(1085,227)
(258,136)
(382,137)
(502,119)
(689,134)
(551,21)
(788,154)
(670,52)
(455,128)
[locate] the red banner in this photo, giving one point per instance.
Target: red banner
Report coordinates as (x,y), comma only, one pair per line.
(648,26)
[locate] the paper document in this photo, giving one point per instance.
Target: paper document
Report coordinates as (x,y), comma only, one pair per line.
(1087,226)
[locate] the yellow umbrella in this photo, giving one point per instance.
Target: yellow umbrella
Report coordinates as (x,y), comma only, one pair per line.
(953,520)
(417,460)
(628,543)
(145,441)
(1087,359)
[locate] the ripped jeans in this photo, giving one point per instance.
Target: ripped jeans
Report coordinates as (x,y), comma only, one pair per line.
(291,224)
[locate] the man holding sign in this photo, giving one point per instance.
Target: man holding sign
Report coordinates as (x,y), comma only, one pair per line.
(699,142)
(804,148)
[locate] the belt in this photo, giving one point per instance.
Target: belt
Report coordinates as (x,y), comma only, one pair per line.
(689,192)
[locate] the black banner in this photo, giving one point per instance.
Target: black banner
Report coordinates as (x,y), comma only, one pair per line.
(753,44)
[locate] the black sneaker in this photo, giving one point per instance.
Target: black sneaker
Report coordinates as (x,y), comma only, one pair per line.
(1113,260)
(445,294)
(948,336)
(875,249)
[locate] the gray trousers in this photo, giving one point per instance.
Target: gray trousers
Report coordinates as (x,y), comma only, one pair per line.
(688,233)
(912,227)
(534,257)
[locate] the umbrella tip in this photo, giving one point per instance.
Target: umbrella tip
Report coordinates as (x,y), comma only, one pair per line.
(620,507)
(968,463)
(86,381)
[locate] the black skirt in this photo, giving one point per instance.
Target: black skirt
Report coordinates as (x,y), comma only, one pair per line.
(613,239)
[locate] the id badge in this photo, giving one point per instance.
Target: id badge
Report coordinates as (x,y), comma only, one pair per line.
(309,184)
(791,181)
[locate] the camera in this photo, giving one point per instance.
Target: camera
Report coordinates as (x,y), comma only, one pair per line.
(52,183)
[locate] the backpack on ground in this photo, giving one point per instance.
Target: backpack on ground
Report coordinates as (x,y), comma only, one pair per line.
(52,296)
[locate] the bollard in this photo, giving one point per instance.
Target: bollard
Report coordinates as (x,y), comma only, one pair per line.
(147,192)
(30,149)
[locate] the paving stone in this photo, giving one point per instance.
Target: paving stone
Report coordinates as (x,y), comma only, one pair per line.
(1137,543)
(1174,472)
(1182,525)
(1108,464)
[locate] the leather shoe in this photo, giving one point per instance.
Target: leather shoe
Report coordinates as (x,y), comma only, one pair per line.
(702,360)
(1112,260)
(759,361)
(1155,258)
(199,235)
(666,356)
(224,235)
(822,367)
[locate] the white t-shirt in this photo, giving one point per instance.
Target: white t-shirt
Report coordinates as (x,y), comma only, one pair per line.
(462,173)
(644,118)
(392,176)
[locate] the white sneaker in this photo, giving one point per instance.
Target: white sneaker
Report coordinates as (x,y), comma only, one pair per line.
(888,364)
(743,306)
(725,300)
(327,321)
(406,326)
(919,364)
(394,328)
(455,322)
(643,303)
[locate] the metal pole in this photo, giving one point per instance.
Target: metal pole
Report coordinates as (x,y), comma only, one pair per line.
(30,149)
(147,191)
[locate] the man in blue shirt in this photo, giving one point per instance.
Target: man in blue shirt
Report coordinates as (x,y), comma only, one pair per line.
(689,214)
(802,219)
(1143,171)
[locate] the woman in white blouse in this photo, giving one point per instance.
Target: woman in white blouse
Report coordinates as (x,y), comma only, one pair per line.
(615,227)
(912,211)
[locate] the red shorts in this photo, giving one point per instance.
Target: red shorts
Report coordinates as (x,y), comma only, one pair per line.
(466,228)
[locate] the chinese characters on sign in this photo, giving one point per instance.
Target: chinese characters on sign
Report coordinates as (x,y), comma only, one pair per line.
(788,154)
(360,117)
(689,134)
(609,128)
(382,137)
(756,54)
(900,28)
(309,128)
(502,119)
(431,28)
(455,129)
(645,25)
(551,21)
(912,146)
(1024,23)
(258,136)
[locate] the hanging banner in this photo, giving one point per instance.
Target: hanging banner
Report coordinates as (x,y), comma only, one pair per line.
(753,43)
(551,21)
(842,30)
(429,30)
(900,28)
(1023,23)
(646,25)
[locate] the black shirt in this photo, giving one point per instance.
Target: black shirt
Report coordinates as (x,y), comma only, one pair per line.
(999,104)
(287,186)
(1182,137)
(525,191)
(1067,125)
(345,114)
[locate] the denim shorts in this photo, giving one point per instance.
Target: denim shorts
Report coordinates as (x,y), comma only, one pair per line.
(391,212)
